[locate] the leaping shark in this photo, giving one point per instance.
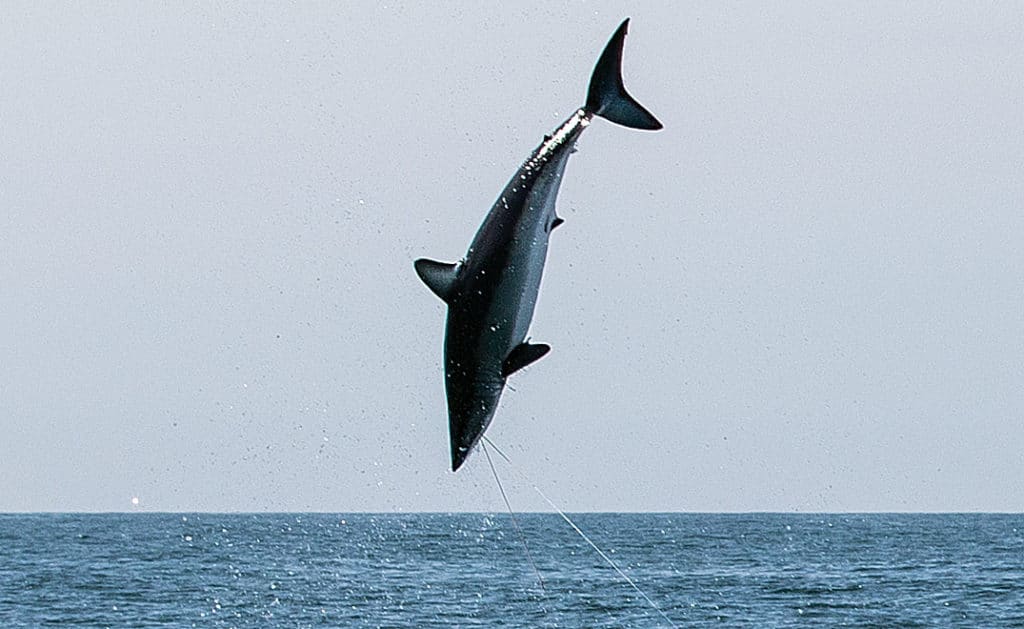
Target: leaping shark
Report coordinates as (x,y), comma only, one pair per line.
(492,292)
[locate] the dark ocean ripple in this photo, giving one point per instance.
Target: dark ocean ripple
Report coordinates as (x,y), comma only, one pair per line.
(470,570)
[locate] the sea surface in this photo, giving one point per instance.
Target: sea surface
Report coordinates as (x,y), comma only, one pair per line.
(471,570)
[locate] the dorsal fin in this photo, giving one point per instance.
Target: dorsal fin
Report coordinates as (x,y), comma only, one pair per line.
(438,276)
(521,356)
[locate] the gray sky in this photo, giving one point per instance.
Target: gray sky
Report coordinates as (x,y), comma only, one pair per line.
(806,293)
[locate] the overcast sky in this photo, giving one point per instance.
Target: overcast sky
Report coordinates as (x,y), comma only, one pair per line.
(805,293)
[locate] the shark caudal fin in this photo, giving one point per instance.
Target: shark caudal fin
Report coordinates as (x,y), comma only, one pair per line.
(607,96)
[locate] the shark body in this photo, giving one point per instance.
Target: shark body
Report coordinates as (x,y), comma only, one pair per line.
(492,293)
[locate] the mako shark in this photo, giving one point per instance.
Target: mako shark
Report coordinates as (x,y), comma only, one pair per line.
(492,292)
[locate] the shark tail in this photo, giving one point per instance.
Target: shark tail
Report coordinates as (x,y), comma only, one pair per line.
(607,96)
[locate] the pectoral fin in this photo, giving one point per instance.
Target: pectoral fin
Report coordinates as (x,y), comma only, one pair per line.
(521,356)
(438,276)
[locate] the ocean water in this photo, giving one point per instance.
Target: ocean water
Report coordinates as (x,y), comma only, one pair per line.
(470,570)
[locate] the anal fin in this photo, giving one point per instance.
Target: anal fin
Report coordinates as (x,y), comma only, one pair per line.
(521,356)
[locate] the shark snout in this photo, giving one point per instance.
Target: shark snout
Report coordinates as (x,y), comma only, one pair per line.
(468,418)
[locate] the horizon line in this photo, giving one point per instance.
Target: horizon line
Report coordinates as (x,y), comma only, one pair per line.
(497,512)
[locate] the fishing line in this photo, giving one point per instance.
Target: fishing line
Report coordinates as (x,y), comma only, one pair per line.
(577,529)
(515,521)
